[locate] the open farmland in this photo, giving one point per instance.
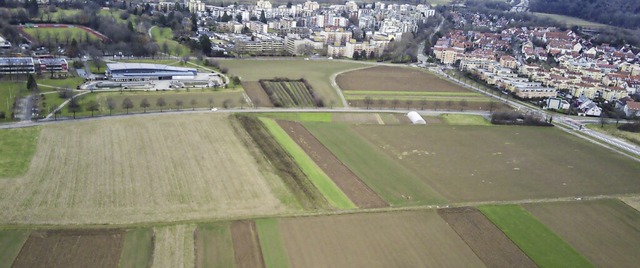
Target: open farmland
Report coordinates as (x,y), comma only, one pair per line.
(82,248)
(11,242)
(481,163)
(174,247)
(17,147)
(137,250)
(388,78)
(607,232)
(289,93)
(398,239)
(159,168)
(246,247)
(256,94)
(213,246)
(317,73)
(540,243)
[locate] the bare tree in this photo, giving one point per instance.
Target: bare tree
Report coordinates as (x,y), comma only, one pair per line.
(381,102)
(160,102)
(463,104)
(179,104)
(144,103)
(127,104)
(193,102)
(449,103)
(93,106)
(74,106)
(243,101)
(227,103)
(395,103)
(210,103)
(408,102)
(368,101)
(423,103)
(111,104)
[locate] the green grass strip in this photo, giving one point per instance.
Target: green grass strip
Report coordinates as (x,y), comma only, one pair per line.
(465,120)
(320,180)
(17,147)
(411,93)
(214,245)
(137,249)
(273,250)
(11,242)
(301,117)
(543,246)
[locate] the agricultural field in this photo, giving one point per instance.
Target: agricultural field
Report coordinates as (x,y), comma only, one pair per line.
(137,250)
(162,168)
(163,35)
(11,242)
(410,88)
(539,242)
(76,248)
(174,246)
(17,147)
(60,34)
(317,73)
(213,245)
(511,163)
(290,93)
(570,21)
(397,239)
(246,247)
(606,232)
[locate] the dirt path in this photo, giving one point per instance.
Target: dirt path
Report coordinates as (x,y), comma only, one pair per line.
(246,246)
(348,182)
(490,244)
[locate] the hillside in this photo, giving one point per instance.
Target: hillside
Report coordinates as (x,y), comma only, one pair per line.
(621,13)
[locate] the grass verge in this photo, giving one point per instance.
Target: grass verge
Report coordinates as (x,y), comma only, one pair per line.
(543,246)
(322,182)
(301,117)
(273,250)
(11,242)
(17,147)
(137,249)
(465,120)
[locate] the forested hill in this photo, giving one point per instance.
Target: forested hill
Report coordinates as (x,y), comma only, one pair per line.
(621,13)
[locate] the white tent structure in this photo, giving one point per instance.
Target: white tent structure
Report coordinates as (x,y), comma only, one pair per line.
(416,119)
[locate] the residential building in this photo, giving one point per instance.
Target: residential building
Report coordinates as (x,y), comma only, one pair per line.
(17,65)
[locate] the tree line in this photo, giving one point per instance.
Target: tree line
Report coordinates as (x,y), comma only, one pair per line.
(620,13)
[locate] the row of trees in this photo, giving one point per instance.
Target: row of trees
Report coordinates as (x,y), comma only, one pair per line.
(369,102)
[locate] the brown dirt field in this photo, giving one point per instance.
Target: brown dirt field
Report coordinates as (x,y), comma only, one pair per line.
(356,118)
(91,248)
(349,183)
(607,232)
(256,93)
(387,78)
(490,244)
(431,105)
(246,247)
(397,239)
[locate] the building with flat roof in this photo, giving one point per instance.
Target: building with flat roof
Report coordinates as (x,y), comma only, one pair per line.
(17,65)
(147,71)
(53,65)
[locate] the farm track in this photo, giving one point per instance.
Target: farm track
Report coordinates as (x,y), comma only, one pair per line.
(489,243)
(349,183)
(306,194)
(246,246)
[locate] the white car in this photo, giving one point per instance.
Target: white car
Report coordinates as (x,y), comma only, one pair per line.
(214,109)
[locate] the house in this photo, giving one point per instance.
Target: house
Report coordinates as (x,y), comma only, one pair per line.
(588,108)
(631,109)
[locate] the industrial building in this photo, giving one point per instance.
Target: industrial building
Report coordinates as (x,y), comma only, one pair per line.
(146,71)
(17,65)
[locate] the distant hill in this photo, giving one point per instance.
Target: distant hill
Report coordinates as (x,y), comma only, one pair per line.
(621,13)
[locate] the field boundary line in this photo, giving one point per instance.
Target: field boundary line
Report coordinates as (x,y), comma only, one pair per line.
(335,86)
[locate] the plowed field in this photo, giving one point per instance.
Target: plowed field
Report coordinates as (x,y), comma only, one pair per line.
(387,78)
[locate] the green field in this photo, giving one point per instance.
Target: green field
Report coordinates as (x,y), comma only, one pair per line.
(163,35)
(543,246)
(69,82)
(300,117)
(63,13)
(8,91)
(611,129)
(570,21)
(317,73)
(137,250)
(320,180)
(17,147)
(273,250)
(465,120)
(11,242)
(393,183)
(44,34)
(214,247)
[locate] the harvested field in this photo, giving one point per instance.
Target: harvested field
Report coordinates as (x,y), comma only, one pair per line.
(300,117)
(138,248)
(607,232)
(174,247)
(11,242)
(86,248)
(256,94)
(246,247)
(485,239)
(361,195)
(357,118)
(398,239)
(161,168)
(481,163)
(387,78)
(213,246)
(305,193)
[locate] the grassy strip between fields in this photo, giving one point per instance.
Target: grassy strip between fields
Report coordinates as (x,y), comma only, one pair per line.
(465,120)
(320,180)
(17,147)
(300,117)
(11,242)
(411,93)
(137,249)
(389,179)
(534,238)
(214,247)
(273,250)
